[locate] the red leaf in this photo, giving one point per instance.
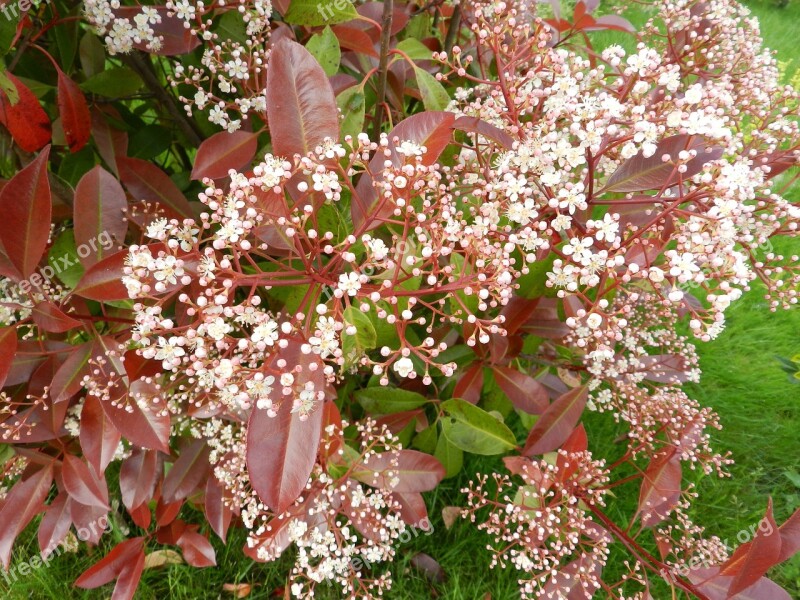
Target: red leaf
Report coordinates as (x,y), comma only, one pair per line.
(26,210)
(111,143)
(556,423)
(715,587)
(111,565)
(414,471)
(50,318)
(197,550)
(145,181)
(487,130)
(82,484)
(224,151)
(217,510)
(790,537)
(55,524)
(470,384)
(99,438)
(413,509)
(352,38)
(167,513)
(187,473)
(144,428)
(282,450)
(67,380)
(98,212)
(525,393)
(138,477)
(661,487)
(433,130)
(75,118)
(25,120)
(129,577)
(8,349)
(175,37)
(763,553)
(301,107)
(22,503)
(638,173)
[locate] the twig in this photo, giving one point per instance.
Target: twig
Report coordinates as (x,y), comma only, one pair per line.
(452,29)
(144,68)
(383,66)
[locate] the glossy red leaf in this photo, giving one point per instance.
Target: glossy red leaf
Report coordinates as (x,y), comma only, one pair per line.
(138,477)
(55,524)
(524,392)
(75,118)
(557,422)
(484,129)
(218,512)
(111,143)
(790,537)
(98,437)
(67,380)
(175,37)
(103,280)
(26,208)
(82,484)
(715,586)
(98,212)
(50,318)
(24,501)
(129,577)
(144,428)
(166,513)
(25,119)
(224,151)
(145,181)
(111,565)
(404,471)
(301,107)
(8,350)
(282,450)
(187,473)
(469,385)
(639,174)
(763,553)
(413,509)
(661,487)
(357,40)
(197,550)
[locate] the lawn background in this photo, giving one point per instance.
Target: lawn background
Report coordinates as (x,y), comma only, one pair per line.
(759,409)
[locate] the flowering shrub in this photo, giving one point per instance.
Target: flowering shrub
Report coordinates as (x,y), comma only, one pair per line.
(373,241)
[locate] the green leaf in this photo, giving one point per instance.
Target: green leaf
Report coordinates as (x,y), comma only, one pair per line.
(324,46)
(532,284)
(8,88)
(434,96)
(149,141)
(231,26)
(320,12)
(415,49)
(365,338)
(451,457)
(425,440)
(352,103)
(63,258)
(8,30)
(474,430)
(92,54)
(382,400)
(113,83)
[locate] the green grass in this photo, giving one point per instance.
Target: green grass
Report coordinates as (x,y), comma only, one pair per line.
(742,381)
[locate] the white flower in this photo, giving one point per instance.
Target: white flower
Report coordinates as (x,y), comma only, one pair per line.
(349,283)
(403,367)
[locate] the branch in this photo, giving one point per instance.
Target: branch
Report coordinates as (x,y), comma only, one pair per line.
(144,68)
(452,29)
(383,66)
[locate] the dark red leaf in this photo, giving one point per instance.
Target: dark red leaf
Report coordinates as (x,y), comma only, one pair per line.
(144,428)
(55,524)
(403,471)
(790,537)
(75,118)
(763,553)
(524,392)
(301,107)
(556,423)
(145,181)
(98,213)
(175,37)
(8,350)
(25,120)
(129,577)
(218,511)
(429,567)
(224,151)
(187,473)
(23,502)
(639,174)
(111,143)
(413,509)
(282,450)
(138,477)
(470,384)
(99,438)
(197,550)
(26,208)
(67,380)
(82,484)
(487,130)
(661,486)
(111,565)
(50,318)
